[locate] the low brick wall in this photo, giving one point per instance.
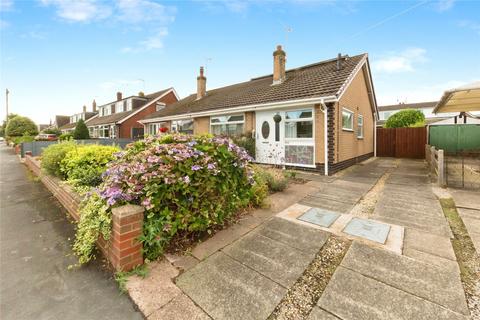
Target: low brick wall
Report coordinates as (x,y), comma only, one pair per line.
(122,250)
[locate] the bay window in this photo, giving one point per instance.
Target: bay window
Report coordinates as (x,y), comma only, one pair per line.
(229,125)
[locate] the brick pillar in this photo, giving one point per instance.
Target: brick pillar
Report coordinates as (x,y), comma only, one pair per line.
(126,250)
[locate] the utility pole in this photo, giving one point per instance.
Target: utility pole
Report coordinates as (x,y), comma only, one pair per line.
(6,98)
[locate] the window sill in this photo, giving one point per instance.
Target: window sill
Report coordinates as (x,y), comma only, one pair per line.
(360,138)
(348,130)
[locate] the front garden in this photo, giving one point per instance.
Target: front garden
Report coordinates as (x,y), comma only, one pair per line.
(190,186)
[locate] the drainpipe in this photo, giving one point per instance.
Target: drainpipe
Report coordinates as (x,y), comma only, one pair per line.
(325,135)
(375,136)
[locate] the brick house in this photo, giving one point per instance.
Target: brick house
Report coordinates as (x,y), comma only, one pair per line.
(73,119)
(322,113)
(119,119)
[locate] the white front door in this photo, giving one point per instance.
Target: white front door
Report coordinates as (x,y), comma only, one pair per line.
(270,146)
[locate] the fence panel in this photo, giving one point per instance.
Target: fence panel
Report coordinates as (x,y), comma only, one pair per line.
(455,138)
(36,147)
(401,142)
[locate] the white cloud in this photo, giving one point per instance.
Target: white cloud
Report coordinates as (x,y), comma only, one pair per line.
(4,24)
(444,5)
(404,61)
(144,11)
(79,10)
(6,5)
(155,41)
(472,25)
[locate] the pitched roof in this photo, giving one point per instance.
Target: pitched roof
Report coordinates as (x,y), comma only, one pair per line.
(316,80)
(61,120)
(401,106)
(116,117)
(88,115)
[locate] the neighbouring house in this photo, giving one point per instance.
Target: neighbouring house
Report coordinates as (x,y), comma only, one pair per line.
(119,119)
(426,107)
(73,119)
(60,121)
(322,113)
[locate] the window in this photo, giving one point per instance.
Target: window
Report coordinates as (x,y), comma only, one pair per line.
(129,104)
(230,125)
(347,119)
(299,124)
(107,131)
(119,107)
(183,126)
(360,126)
(154,128)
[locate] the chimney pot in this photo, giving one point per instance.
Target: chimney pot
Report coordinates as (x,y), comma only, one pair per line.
(84,109)
(119,96)
(201,84)
(279,59)
(94,106)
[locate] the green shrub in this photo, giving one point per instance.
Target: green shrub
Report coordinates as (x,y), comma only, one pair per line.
(246,142)
(276,179)
(52,130)
(53,155)
(21,126)
(259,190)
(19,140)
(405,118)
(81,131)
(65,137)
(84,165)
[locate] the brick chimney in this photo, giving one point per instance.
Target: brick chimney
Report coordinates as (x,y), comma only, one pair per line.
(279,59)
(119,96)
(84,108)
(94,106)
(201,85)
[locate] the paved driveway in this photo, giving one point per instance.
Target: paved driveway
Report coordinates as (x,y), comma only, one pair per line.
(35,253)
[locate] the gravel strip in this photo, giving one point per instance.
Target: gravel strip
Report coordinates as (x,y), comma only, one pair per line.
(304,294)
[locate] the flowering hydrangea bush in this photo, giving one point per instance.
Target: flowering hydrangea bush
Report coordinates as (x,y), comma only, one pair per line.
(186,183)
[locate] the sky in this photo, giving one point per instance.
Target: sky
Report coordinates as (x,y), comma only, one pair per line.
(58,55)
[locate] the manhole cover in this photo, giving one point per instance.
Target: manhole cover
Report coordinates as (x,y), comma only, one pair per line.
(368,229)
(319,217)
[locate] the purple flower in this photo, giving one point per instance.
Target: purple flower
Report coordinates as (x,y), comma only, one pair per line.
(196,167)
(211,166)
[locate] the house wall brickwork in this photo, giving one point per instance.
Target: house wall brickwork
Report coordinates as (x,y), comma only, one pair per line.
(122,250)
(356,99)
(249,122)
(201,125)
(319,135)
(125,129)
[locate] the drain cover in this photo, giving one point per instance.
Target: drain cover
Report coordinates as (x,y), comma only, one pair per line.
(320,217)
(368,229)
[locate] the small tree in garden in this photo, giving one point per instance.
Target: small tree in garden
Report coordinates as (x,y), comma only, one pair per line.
(81,131)
(21,126)
(405,118)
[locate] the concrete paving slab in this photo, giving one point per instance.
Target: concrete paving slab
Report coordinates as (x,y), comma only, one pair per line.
(429,243)
(437,229)
(352,296)
(297,236)
(182,262)
(156,290)
(180,308)
(409,212)
(221,239)
(226,289)
(469,213)
(349,198)
(430,258)
(328,204)
(368,229)
(320,217)
(319,314)
(409,180)
(424,206)
(466,198)
(275,260)
(440,285)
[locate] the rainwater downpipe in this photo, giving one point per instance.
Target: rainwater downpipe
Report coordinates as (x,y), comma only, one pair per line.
(325,135)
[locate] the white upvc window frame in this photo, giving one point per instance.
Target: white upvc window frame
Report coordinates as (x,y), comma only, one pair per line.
(174,124)
(352,114)
(121,104)
(310,142)
(360,126)
(242,122)
(153,128)
(129,104)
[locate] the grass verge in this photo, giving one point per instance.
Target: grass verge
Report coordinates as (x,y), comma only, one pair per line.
(302,296)
(467,258)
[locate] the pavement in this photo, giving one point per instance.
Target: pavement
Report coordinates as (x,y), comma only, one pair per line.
(468,207)
(35,242)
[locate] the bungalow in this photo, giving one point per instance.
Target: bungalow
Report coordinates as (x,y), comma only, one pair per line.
(73,119)
(425,107)
(119,119)
(319,117)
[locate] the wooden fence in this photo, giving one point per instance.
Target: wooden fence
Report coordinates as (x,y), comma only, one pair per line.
(401,142)
(436,161)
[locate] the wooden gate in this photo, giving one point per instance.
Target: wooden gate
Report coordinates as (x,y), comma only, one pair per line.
(401,142)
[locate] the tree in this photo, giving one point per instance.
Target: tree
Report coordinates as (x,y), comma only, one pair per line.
(21,126)
(4,124)
(81,131)
(405,118)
